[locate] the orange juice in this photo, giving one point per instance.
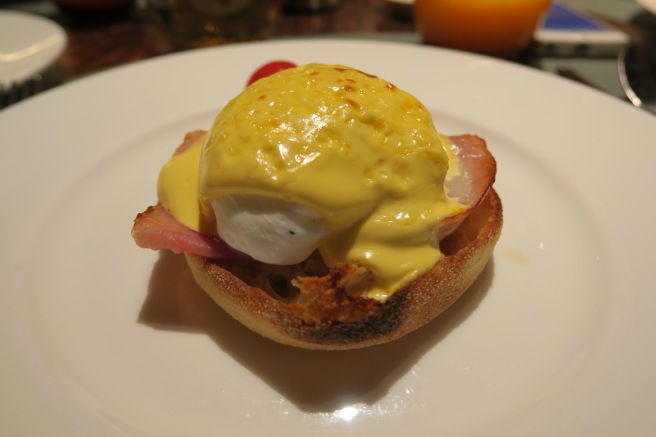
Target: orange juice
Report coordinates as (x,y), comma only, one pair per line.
(494,27)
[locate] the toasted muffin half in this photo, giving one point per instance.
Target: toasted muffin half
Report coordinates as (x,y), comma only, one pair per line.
(310,306)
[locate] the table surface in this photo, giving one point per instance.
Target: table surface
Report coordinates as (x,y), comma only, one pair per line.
(98,43)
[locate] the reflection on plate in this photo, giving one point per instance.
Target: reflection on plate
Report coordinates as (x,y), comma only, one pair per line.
(104,338)
(28,45)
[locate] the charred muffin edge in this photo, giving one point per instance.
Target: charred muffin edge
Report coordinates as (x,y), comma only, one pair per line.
(467,252)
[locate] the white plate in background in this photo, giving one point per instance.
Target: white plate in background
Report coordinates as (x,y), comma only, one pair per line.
(28,45)
(100,337)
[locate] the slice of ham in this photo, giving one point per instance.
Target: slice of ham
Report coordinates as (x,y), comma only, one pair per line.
(156,229)
(469,187)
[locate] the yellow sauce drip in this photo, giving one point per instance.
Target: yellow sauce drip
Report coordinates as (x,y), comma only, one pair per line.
(178,189)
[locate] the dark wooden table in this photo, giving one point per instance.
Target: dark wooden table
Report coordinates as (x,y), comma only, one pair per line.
(100,41)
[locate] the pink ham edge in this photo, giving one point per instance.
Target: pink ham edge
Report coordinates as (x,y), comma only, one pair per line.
(156,229)
(478,170)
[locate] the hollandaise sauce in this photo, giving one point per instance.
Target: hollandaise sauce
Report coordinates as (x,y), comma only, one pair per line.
(354,148)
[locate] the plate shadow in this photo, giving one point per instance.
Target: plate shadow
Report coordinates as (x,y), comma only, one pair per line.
(314,381)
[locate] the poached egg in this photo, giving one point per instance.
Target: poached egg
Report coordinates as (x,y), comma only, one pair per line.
(320,157)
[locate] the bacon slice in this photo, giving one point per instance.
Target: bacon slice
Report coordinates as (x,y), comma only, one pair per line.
(477,172)
(156,229)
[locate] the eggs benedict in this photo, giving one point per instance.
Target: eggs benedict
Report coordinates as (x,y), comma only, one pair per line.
(323,210)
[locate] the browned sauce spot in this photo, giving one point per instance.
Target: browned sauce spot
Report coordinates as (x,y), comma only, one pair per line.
(390,86)
(262,97)
(379,125)
(355,105)
(373,76)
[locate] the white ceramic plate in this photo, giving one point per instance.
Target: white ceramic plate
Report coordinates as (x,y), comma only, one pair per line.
(99,337)
(28,45)
(649,5)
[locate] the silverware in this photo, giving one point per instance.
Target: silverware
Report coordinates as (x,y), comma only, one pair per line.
(17,91)
(636,66)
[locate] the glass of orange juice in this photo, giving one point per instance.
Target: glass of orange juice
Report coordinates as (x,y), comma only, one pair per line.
(494,27)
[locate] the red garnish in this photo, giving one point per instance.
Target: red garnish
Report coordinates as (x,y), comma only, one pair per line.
(269,69)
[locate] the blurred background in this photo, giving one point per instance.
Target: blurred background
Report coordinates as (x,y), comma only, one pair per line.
(100,34)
